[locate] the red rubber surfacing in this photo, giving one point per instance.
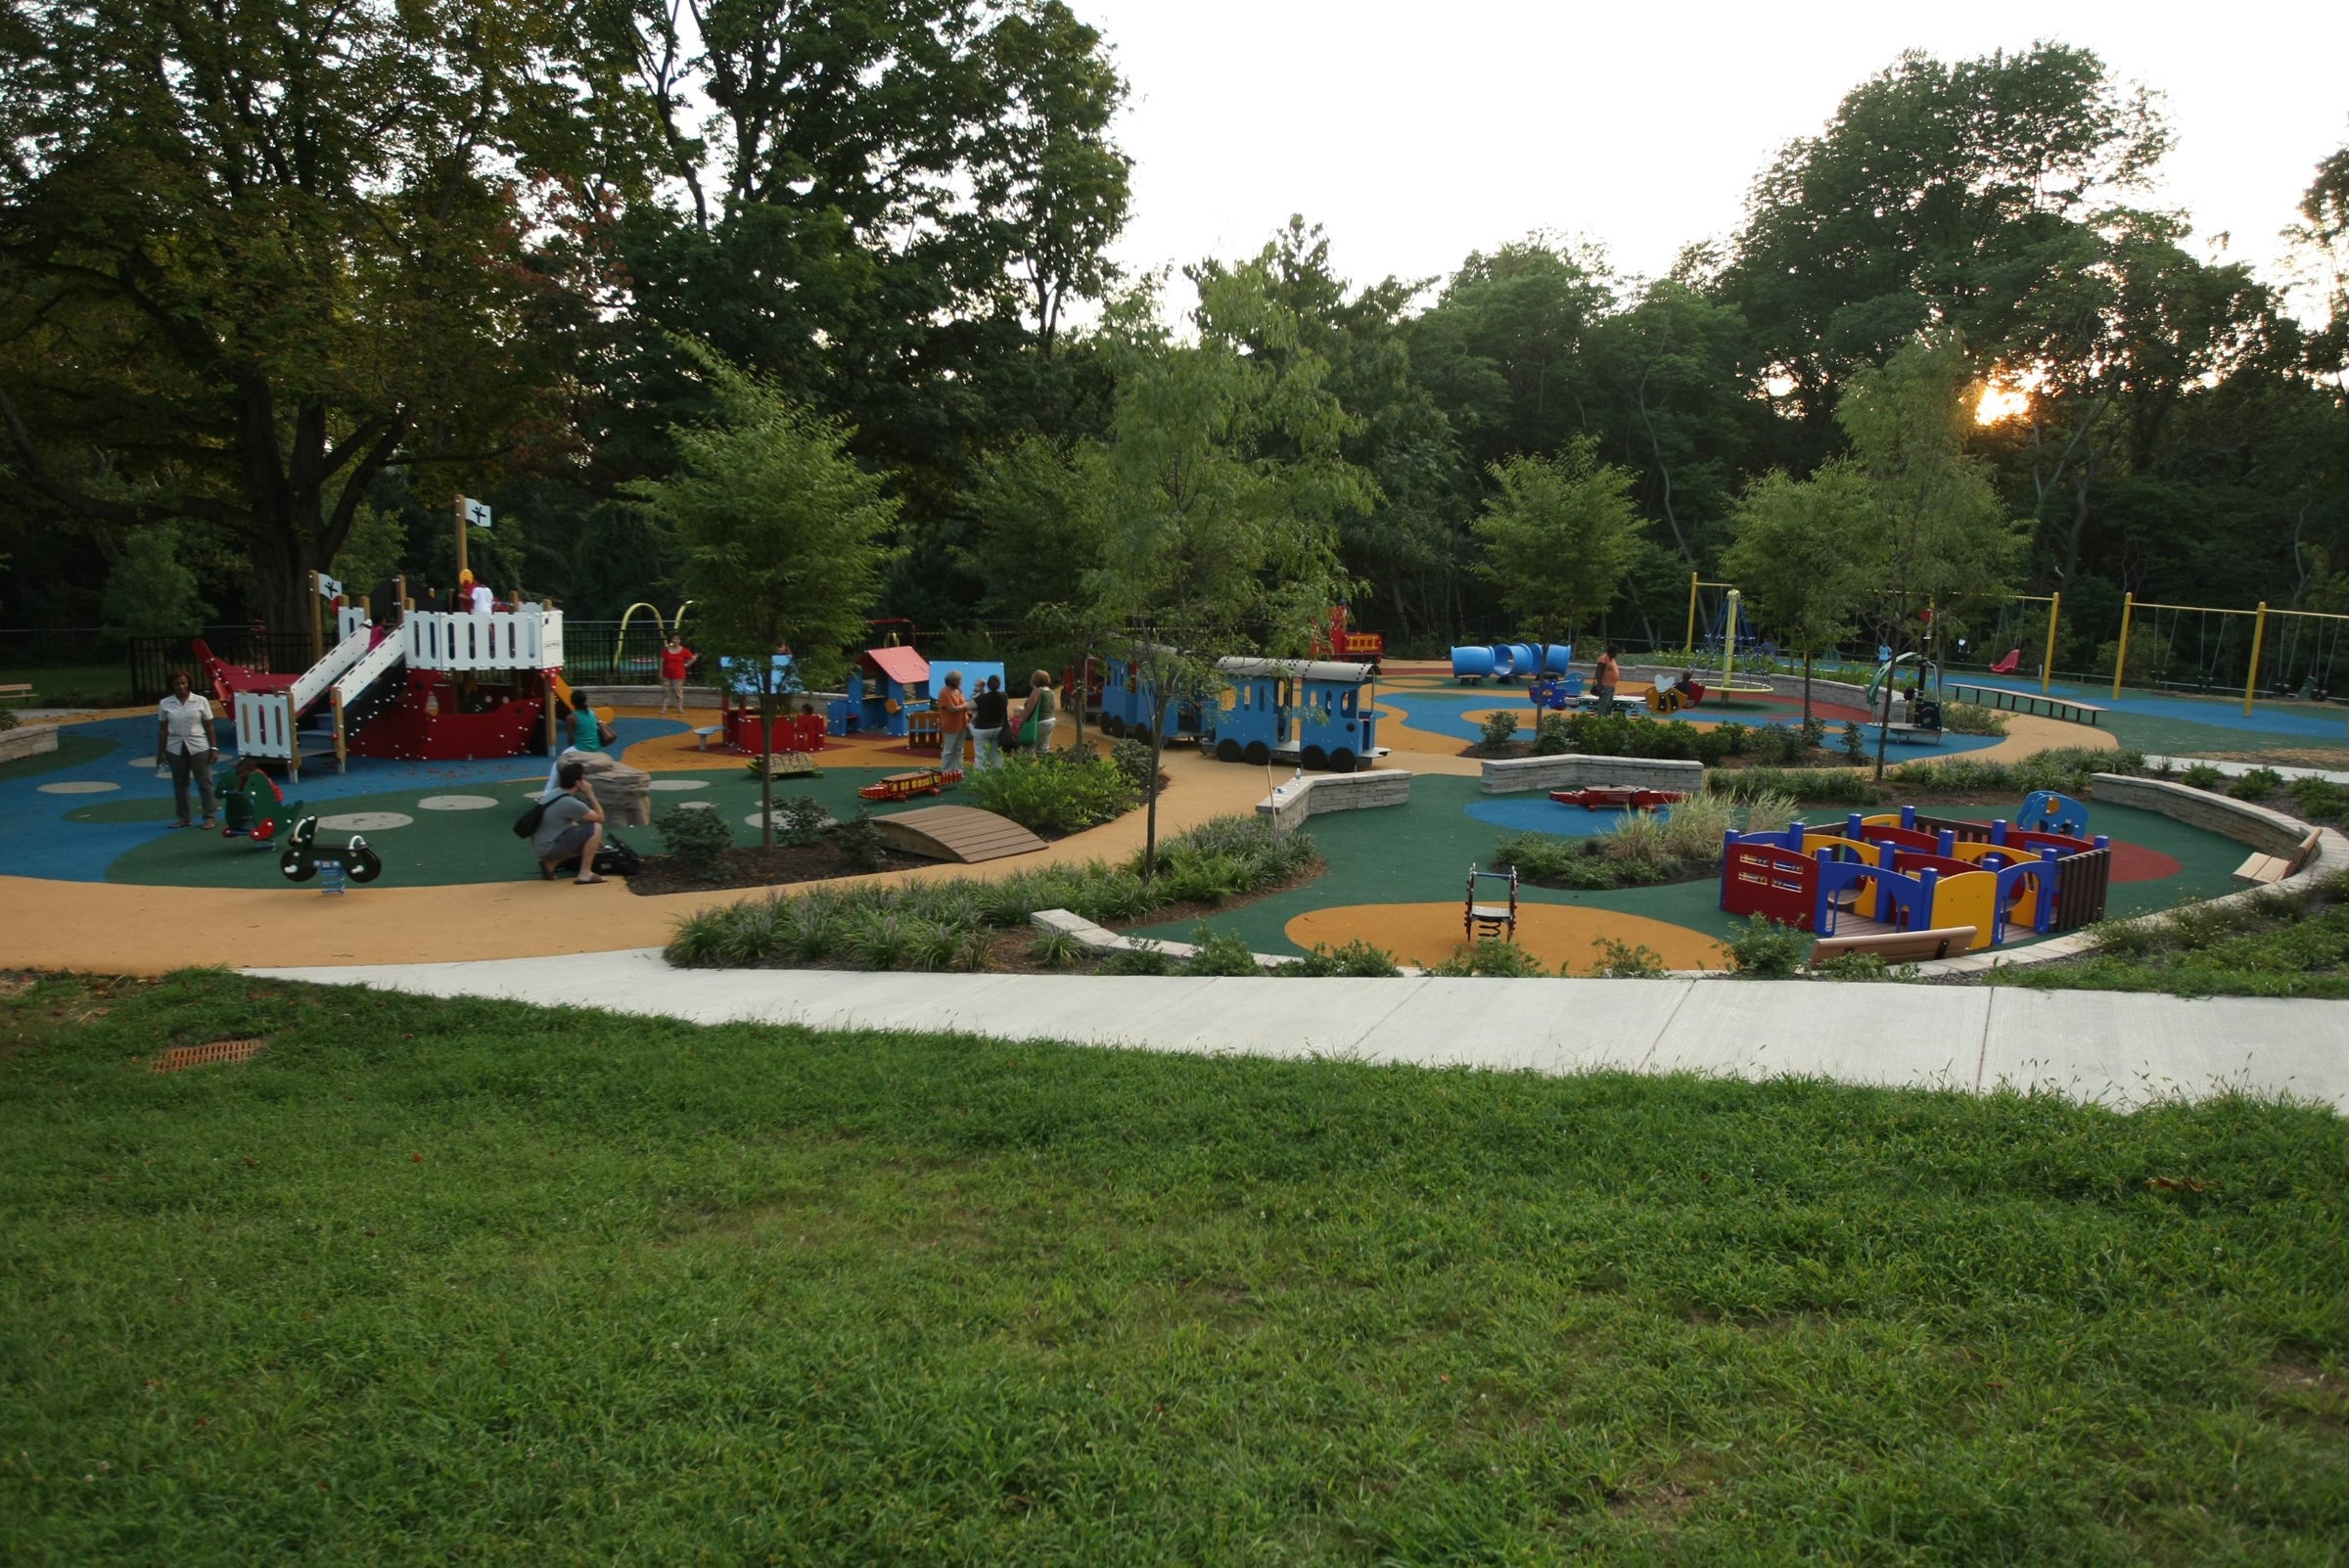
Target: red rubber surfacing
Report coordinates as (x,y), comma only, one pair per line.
(2134,862)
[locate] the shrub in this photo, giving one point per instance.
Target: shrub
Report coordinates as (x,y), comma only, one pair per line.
(1064,791)
(1136,961)
(1769,812)
(2319,798)
(1831,786)
(1539,855)
(1056,949)
(1694,829)
(801,823)
(1765,950)
(1502,960)
(860,841)
(1498,726)
(880,940)
(2203,776)
(973,951)
(1855,744)
(1221,952)
(1673,739)
(1635,836)
(1860,966)
(697,839)
(2256,785)
(1356,960)
(1710,747)
(1551,737)
(698,940)
(1617,961)
(1132,758)
(1972,719)
(1734,737)
(932,946)
(813,928)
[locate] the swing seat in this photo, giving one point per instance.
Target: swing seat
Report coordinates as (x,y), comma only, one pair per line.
(2009,665)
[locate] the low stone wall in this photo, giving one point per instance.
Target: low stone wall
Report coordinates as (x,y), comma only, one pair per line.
(1573,772)
(27,740)
(604,697)
(2267,831)
(1319,793)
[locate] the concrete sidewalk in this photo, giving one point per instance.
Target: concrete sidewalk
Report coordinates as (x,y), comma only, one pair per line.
(2112,1049)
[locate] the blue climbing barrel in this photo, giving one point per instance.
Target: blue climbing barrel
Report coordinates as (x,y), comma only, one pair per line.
(1558,656)
(1471,663)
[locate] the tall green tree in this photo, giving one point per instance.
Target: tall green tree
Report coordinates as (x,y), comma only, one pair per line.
(1222,484)
(1945,534)
(253,257)
(1559,536)
(1804,557)
(779,538)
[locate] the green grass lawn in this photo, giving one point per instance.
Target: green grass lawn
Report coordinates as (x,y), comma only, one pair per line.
(105,685)
(465,1281)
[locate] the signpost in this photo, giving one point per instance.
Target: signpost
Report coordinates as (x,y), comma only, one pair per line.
(473,514)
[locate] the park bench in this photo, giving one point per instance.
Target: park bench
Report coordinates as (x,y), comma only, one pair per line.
(2262,869)
(17,692)
(1897,946)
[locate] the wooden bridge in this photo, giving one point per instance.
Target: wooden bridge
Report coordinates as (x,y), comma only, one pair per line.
(961,833)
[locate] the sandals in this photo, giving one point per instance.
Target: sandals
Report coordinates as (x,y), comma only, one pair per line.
(587,881)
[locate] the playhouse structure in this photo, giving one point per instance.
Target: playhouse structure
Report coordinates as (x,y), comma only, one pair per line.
(431,686)
(1907,872)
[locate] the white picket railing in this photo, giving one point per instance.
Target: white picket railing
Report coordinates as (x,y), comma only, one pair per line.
(264,724)
(503,639)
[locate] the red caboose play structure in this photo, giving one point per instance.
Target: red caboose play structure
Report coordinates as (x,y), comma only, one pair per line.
(1909,874)
(1332,640)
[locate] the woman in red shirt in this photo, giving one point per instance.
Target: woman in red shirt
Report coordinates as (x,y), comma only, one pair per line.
(675,660)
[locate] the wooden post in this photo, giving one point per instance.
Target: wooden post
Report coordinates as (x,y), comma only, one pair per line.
(2259,635)
(546,682)
(2120,656)
(461,536)
(1688,641)
(2046,664)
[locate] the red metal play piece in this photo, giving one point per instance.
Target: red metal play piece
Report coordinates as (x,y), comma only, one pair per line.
(1617,797)
(905,786)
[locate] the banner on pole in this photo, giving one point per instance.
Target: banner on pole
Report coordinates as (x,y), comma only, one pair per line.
(477,513)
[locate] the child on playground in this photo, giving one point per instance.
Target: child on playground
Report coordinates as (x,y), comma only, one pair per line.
(675,660)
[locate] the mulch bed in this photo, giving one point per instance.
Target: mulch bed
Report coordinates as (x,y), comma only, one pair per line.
(762,868)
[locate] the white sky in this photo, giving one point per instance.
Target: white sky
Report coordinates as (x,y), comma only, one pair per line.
(1415,133)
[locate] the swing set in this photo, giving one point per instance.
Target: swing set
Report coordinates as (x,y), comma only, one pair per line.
(674,623)
(2309,645)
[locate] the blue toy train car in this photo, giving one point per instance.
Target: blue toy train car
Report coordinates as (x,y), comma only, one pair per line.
(1127,704)
(1320,712)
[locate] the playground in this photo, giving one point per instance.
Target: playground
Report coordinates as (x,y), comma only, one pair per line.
(96,879)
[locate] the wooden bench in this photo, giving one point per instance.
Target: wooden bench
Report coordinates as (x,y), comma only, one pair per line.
(1898,947)
(17,693)
(2262,869)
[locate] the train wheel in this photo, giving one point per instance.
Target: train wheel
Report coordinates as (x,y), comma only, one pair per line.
(364,865)
(1112,725)
(1256,754)
(1140,732)
(1342,760)
(1314,759)
(1228,751)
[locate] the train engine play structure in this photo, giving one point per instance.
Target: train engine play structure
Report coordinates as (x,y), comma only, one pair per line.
(430,686)
(1909,874)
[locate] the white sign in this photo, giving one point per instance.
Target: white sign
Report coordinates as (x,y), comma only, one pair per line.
(477,513)
(329,586)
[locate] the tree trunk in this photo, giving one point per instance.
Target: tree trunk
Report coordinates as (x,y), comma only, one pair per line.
(766,759)
(1806,691)
(1158,746)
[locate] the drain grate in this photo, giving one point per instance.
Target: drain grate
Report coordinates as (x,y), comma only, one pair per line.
(218,1051)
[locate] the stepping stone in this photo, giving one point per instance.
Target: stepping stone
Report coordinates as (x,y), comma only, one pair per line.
(457,802)
(365,821)
(80,786)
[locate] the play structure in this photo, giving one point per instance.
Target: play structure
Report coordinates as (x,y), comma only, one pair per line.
(1495,913)
(1906,873)
(1474,664)
(1618,798)
(433,685)
(894,690)
(1317,713)
(305,859)
(905,786)
(1334,641)
(1124,700)
(960,833)
(1670,694)
(256,809)
(792,732)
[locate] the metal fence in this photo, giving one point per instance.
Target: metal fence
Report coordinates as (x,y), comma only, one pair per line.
(153,659)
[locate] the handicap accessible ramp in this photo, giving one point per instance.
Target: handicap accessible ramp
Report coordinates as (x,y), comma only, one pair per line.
(2112,1049)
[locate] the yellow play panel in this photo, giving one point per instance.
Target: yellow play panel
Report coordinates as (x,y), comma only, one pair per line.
(1425,934)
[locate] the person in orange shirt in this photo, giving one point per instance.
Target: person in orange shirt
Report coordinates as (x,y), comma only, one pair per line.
(953,721)
(675,660)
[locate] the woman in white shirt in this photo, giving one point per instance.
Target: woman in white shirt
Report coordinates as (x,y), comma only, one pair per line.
(183,739)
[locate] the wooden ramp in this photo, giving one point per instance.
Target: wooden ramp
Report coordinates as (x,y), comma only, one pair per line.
(956,833)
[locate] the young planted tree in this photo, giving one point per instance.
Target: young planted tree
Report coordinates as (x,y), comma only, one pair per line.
(1220,488)
(1944,534)
(778,531)
(1559,537)
(1806,555)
